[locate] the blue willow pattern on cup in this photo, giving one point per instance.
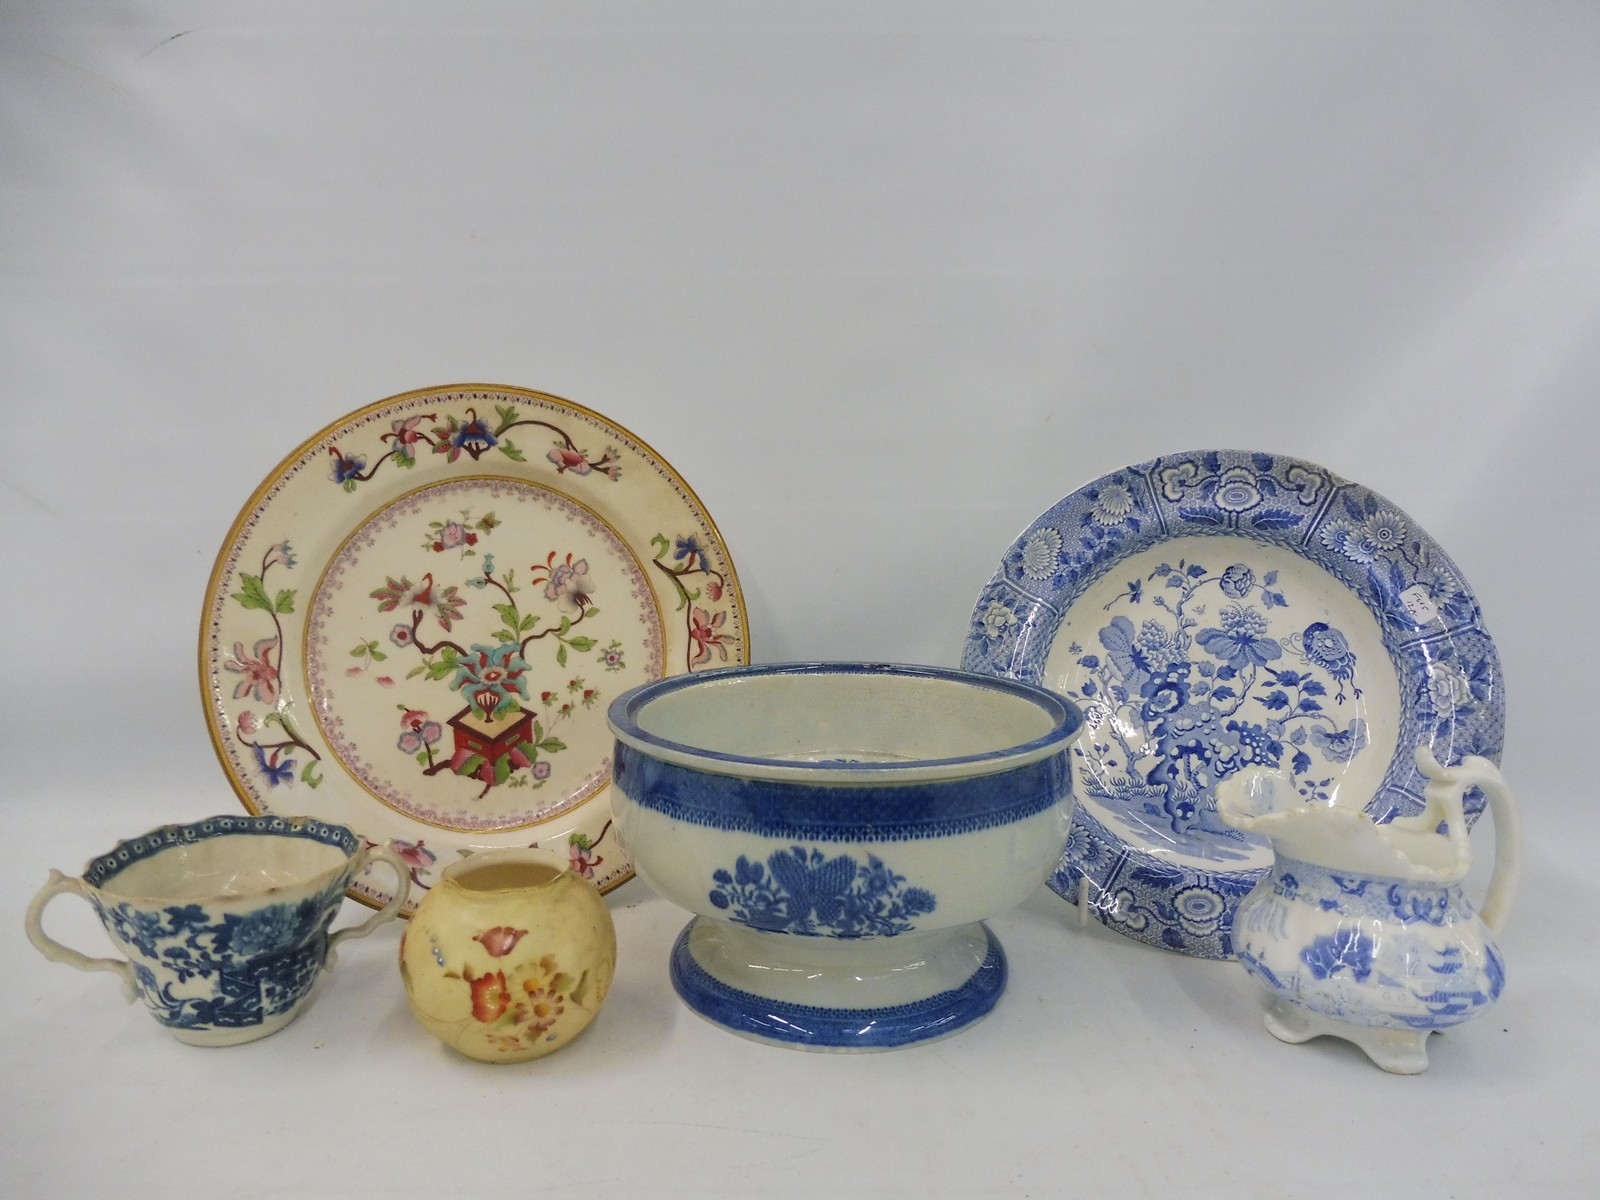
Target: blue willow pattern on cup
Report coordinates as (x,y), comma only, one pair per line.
(1183,660)
(814,894)
(260,964)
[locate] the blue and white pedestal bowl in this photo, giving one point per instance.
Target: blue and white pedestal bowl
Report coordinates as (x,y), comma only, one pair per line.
(841,832)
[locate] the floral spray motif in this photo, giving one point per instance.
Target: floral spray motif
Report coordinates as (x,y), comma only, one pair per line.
(689,565)
(1201,689)
(796,892)
(272,738)
(510,956)
(496,738)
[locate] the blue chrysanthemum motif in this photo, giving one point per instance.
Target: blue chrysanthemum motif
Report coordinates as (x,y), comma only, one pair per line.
(1041,553)
(1199,909)
(1112,503)
(1237,491)
(1081,847)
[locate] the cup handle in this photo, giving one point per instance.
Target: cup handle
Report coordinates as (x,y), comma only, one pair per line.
(56,952)
(385,853)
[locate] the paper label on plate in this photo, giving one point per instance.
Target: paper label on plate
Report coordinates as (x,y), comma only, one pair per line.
(1418,602)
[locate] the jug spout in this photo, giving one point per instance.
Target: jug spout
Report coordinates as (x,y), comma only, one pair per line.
(1429,847)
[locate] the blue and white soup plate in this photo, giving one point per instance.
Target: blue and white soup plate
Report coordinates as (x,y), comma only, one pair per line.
(841,831)
(1218,610)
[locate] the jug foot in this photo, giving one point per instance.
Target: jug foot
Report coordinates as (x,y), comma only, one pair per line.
(1398,1051)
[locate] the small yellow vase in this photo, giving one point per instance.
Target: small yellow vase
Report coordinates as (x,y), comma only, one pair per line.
(509,956)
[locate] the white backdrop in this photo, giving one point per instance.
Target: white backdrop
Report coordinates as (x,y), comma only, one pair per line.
(883,282)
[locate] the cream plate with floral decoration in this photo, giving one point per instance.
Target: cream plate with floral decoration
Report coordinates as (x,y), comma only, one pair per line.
(416,623)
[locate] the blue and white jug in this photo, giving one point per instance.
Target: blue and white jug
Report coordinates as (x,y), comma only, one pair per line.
(1363,931)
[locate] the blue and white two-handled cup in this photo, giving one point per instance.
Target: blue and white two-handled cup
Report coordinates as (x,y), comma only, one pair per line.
(224,922)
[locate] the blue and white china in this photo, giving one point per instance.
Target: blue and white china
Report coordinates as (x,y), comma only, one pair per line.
(841,831)
(224,922)
(1218,610)
(1363,931)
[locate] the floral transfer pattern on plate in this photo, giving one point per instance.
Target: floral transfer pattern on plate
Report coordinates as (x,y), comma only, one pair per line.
(414,625)
(491,669)
(1216,610)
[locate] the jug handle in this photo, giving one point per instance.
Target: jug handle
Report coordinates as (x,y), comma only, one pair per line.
(388,855)
(1507,840)
(56,952)
(1443,794)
